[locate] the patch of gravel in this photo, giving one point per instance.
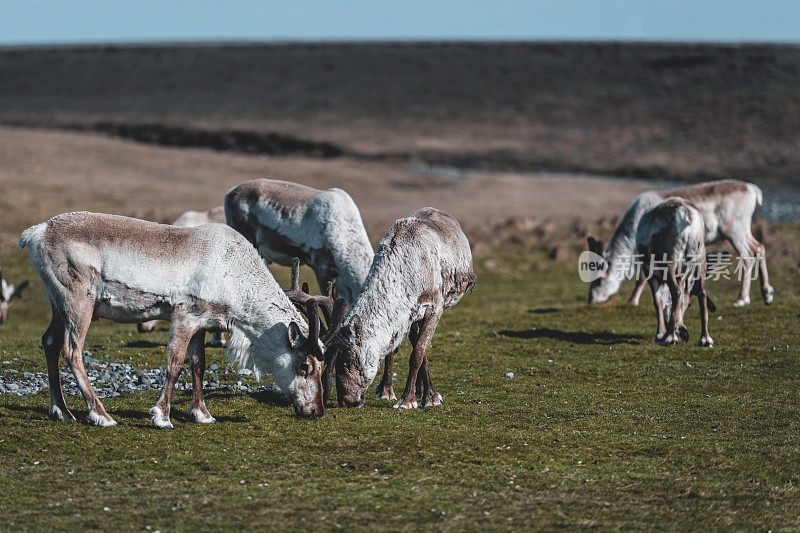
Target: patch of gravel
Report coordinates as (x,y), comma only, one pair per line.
(114,379)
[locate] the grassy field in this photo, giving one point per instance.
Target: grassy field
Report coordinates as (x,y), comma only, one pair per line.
(598,427)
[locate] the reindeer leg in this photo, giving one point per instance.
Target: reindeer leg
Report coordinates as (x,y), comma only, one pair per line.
(661,329)
(426,330)
(430,397)
(74,335)
(179,337)
(52,342)
(742,247)
(217,340)
(197,356)
(760,252)
(702,298)
(637,291)
(675,294)
(385,390)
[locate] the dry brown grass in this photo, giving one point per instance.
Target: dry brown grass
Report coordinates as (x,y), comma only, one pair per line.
(45,173)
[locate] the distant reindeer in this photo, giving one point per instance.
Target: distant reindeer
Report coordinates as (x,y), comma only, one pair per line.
(201,279)
(727,208)
(423,266)
(670,237)
(191,219)
(8,293)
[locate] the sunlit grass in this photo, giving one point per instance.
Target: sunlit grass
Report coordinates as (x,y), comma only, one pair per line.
(598,427)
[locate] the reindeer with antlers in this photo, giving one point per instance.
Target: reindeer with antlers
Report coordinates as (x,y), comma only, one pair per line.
(201,279)
(8,293)
(286,220)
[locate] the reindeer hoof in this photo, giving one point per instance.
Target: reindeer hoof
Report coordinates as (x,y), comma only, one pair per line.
(683,333)
(406,404)
(669,340)
(706,342)
(387,395)
(432,401)
(768,295)
(56,413)
(659,337)
(159,420)
(100,420)
(197,415)
(741,302)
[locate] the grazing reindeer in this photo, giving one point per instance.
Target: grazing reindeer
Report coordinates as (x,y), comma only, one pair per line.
(191,219)
(287,220)
(284,220)
(423,266)
(727,208)
(670,237)
(201,279)
(7,295)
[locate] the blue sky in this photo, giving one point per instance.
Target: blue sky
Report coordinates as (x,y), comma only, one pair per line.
(64,21)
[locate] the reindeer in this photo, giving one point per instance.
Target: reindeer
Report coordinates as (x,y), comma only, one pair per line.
(8,293)
(727,208)
(670,238)
(284,220)
(423,266)
(191,219)
(287,220)
(201,279)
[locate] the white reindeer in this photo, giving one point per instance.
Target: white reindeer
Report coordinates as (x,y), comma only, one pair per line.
(201,279)
(727,208)
(8,293)
(670,237)
(286,220)
(191,219)
(423,266)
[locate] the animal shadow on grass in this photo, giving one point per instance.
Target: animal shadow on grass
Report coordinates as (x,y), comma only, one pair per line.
(543,311)
(144,344)
(575,337)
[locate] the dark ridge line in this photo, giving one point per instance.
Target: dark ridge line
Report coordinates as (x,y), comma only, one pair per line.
(278,144)
(222,140)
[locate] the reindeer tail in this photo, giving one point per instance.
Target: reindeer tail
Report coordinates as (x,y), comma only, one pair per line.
(757,191)
(31,235)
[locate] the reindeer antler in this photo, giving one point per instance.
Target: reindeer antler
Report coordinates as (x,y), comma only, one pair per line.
(301,298)
(312,344)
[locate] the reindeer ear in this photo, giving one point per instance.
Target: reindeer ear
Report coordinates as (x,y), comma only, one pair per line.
(355,327)
(18,291)
(296,339)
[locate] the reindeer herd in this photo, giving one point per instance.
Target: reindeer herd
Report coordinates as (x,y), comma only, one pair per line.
(207,273)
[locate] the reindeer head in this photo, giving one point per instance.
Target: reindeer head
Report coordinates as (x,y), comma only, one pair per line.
(302,380)
(351,384)
(7,294)
(600,289)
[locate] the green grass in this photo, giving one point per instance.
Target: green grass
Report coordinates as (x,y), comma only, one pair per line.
(599,427)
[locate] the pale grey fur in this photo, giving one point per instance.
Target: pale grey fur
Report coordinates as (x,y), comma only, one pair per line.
(327,232)
(221,284)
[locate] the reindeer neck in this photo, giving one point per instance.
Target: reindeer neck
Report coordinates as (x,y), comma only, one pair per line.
(385,307)
(622,245)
